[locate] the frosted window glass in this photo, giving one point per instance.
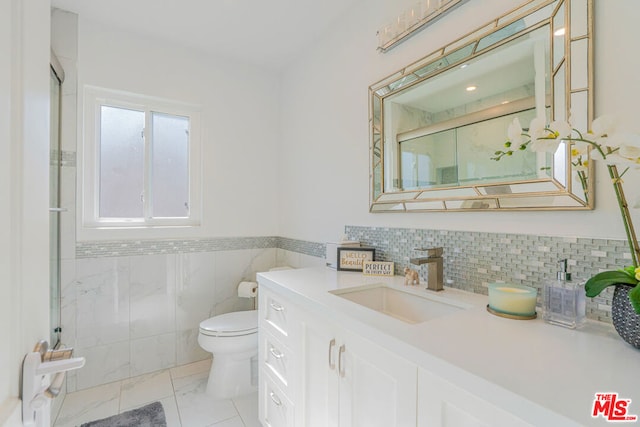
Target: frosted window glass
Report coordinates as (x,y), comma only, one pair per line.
(170,166)
(121,163)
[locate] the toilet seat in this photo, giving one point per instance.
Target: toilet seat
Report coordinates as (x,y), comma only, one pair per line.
(231,324)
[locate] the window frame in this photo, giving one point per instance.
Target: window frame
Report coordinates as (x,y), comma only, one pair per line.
(94,99)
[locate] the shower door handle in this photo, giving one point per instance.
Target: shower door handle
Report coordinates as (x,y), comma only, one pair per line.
(58,210)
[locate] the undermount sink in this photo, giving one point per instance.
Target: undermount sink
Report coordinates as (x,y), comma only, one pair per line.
(406,305)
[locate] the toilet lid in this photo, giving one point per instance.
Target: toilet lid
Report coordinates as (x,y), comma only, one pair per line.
(231,324)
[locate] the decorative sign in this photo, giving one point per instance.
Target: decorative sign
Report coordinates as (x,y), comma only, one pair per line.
(351,259)
(377,268)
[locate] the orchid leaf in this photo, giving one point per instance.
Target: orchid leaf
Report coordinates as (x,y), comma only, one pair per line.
(630,270)
(634,297)
(600,281)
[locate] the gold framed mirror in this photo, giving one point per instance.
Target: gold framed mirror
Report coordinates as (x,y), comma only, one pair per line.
(435,124)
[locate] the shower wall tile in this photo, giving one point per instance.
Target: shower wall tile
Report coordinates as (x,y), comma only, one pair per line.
(153,353)
(68,304)
(102,298)
(285,257)
(195,290)
(233,267)
(188,350)
(148,305)
(307,261)
(68,218)
(152,295)
(262,259)
(232,304)
(72,380)
(67,123)
(104,364)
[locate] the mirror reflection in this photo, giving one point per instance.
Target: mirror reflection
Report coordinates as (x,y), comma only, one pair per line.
(445,129)
(436,124)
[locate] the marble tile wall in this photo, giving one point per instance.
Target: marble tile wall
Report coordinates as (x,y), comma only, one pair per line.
(134,314)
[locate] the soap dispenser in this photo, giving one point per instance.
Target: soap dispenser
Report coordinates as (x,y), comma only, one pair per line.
(564,300)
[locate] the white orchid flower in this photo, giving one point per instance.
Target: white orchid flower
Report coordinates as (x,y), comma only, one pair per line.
(612,141)
(514,132)
(579,157)
(561,129)
(628,153)
(536,128)
(603,125)
(541,138)
(602,129)
(578,149)
(545,145)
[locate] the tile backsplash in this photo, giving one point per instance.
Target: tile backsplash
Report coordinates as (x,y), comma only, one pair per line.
(474,259)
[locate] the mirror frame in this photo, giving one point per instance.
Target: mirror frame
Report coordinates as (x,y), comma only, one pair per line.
(576,102)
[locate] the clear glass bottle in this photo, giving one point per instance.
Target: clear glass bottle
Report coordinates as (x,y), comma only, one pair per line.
(564,300)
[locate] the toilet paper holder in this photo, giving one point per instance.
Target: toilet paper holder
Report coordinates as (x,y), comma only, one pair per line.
(247,289)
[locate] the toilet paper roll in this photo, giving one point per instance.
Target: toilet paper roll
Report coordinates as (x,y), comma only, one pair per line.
(247,289)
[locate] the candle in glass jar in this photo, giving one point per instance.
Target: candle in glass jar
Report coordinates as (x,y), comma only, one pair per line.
(512,299)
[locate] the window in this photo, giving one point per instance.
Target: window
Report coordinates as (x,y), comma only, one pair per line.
(141,161)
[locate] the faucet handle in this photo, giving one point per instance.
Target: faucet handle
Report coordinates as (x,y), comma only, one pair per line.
(431,252)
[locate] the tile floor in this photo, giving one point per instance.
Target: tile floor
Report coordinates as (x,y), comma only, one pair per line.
(181,391)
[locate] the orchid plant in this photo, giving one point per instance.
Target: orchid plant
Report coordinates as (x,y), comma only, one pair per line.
(604,144)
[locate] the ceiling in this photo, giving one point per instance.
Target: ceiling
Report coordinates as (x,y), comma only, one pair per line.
(263,32)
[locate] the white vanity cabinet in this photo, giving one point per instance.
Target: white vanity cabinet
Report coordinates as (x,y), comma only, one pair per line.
(441,403)
(345,380)
(327,362)
(315,373)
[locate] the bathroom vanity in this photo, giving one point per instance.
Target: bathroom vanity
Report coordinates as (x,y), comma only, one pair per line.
(339,348)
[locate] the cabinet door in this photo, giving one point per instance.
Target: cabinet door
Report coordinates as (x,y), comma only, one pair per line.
(318,379)
(377,387)
(441,403)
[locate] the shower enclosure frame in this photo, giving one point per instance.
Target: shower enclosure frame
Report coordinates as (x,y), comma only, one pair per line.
(55,209)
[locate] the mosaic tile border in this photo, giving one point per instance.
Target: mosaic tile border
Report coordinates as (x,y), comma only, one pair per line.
(302,246)
(155,247)
(98,249)
(474,259)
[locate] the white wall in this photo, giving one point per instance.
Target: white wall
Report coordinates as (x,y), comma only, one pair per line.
(240,120)
(324,150)
(24,192)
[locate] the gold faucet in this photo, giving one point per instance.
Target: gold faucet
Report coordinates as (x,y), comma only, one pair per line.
(434,275)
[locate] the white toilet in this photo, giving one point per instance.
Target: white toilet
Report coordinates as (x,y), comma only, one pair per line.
(233,340)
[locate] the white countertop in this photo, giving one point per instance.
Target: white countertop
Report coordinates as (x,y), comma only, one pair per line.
(557,370)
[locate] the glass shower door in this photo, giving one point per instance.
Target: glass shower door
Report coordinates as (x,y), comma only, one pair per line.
(54,210)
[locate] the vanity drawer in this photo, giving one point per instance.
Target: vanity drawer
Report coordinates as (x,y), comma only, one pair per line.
(276,313)
(276,359)
(276,410)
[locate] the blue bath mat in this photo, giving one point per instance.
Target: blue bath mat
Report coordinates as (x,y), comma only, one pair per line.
(151,415)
